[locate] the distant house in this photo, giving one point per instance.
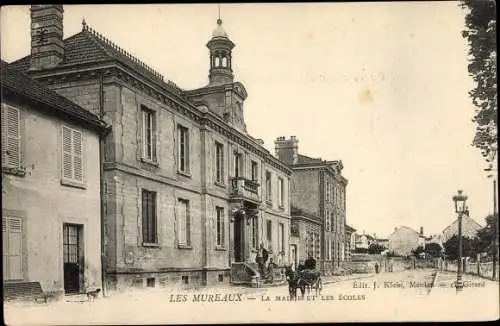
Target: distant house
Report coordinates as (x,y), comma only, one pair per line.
(403,240)
(469,229)
(382,242)
(363,241)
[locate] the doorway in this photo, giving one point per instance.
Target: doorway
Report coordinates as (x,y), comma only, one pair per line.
(238,239)
(293,255)
(72,257)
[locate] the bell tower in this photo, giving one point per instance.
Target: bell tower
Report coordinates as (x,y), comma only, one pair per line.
(220,47)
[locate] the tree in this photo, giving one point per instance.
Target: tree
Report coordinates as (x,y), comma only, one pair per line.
(486,236)
(451,247)
(375,249)
(416,252)
(480,32)
(433,249)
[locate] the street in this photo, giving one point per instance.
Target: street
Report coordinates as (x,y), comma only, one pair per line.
(401,296)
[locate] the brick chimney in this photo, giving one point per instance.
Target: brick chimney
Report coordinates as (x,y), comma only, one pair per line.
(287,150)
(47,48)
(421,230)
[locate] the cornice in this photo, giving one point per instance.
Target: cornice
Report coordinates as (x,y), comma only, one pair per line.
(177,102)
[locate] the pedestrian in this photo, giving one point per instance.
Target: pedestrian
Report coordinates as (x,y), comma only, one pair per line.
(261,259)
(376,268)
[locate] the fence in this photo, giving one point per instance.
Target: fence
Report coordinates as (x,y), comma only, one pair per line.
(481,269)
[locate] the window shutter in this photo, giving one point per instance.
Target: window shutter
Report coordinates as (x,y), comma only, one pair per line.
(12,232)
(11,137)
(77,156)
(188,225)
(67,153)
(182,223)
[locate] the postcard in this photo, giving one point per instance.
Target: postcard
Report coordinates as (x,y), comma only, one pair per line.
(249,163)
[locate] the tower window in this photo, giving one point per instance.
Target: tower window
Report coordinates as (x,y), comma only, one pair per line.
(224,61)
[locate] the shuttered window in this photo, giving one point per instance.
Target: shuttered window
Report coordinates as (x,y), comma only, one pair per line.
(72,157)
(11,137)
(149,217)
(183,223)
(221,230)
(183,151)
(12,234)
(148,134)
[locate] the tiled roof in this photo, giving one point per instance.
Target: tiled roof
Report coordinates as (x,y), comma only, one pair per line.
(302,159)
(18,82)
(89,46)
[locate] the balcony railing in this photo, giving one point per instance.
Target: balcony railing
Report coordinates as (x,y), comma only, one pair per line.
(245,189)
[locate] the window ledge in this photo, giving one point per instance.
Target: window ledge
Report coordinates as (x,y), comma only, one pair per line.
(183,173)
(151,245)
(220,184)
(220,248)
(282,207)
(269,203)
(19,171)
(74,184)
(148,161)
(186,247)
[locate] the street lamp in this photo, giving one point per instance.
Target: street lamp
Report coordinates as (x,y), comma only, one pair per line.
(460,209)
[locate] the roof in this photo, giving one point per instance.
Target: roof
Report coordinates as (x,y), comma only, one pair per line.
(298,212)
(89,46)
(302,159)
(219,31)
(349,228)
(18,82)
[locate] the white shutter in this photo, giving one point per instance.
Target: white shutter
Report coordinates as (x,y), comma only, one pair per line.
(182,223)
(77,156)
(67,163)
(11,136)
(12,251)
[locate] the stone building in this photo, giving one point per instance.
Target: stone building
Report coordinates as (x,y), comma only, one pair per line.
(350,241)
(305,234)
(189,194)
(51,221)
(403,240)
(318,188)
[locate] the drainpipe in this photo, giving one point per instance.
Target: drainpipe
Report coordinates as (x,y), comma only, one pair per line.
(102,137)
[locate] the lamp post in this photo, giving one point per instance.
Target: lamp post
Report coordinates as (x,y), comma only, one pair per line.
(460,209)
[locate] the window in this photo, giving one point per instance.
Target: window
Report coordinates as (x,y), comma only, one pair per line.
(316,245)
(281,237)
(281,195)
(269,228)
(238,166)
(268,187)
(183,149)
(150,282)
(11,137)
(12,234)
(183,223)
(255,233)
(149,217)
(327,191)
(220,226)
(327,220)
(255,171)
(72,154)
(220,277)
(148,134)
(219,163)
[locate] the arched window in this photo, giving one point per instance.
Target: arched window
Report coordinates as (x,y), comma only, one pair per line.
(224,61)
(217,61)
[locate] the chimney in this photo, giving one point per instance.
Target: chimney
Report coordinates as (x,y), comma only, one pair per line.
(47,48)
(422,230)
(287,150)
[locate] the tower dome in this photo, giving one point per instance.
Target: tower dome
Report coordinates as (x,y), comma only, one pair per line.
(220,47)
(219,31)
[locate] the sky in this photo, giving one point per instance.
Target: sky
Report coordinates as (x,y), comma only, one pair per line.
(381,86)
